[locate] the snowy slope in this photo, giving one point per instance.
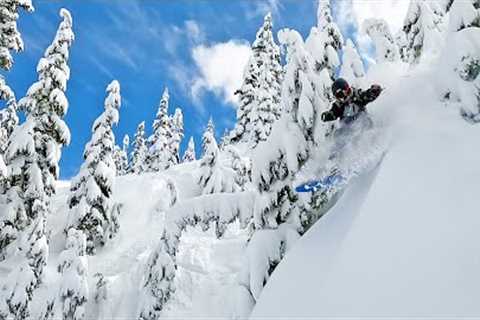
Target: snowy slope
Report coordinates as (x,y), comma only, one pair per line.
(207,267)
(403,240)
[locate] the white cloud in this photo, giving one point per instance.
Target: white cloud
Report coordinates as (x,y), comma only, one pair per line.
(221,68)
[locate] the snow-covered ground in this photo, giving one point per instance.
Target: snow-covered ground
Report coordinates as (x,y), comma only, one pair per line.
(403,239)
(207,267)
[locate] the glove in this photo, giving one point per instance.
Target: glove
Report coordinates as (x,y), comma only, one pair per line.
(327,116)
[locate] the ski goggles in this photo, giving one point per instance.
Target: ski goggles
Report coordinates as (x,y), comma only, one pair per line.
(343,94)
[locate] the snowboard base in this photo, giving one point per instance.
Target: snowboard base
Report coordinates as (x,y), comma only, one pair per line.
(326,183)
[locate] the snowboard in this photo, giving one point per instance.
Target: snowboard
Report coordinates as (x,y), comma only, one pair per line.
(327,183)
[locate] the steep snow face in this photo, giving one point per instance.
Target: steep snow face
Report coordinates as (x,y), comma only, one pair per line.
(403,239)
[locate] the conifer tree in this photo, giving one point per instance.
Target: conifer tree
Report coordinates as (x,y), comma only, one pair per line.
(90,201)
(385,46)
(207,135)
(10,38)
(8,122)
(120,157)
(352,66)
(73,268)
(214,176)
(177,134)
(260,93)
(189,154)
(421,31)
(139,153)
(461,58)
(32,158)
(160,155)
(325,40)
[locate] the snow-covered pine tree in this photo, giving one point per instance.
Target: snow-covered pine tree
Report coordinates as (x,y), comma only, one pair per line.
(158,283)
(73,267)
(10,38)
(421,31)
(464,14)
(279,217)
(120,157)
(214,176)
(160,154)
(8,122)
(260,93)
(386,49)
(126,164)
(325,40)
(177,133)
(90,201)
(139,153)
(459,76)
(207,135)
(32,158)
(189,154)
(352,66)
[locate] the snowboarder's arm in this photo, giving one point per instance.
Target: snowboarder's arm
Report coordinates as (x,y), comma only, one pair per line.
(333,114)
(370,94)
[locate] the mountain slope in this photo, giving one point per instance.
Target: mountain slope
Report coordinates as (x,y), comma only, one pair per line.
(402,241)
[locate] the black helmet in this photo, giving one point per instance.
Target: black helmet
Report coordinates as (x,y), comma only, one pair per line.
(341,89)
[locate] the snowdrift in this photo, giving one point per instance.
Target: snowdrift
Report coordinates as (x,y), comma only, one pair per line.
(403,240)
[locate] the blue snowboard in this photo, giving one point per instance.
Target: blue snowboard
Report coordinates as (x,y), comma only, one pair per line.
(326,183)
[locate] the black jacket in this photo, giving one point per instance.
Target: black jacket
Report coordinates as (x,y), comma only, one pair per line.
(349,110)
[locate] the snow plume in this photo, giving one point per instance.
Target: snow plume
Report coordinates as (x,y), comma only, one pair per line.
(221,68)
(352,68)
(32,158)
(93,210)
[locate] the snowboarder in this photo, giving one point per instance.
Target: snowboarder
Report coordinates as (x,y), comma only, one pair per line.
(349,102)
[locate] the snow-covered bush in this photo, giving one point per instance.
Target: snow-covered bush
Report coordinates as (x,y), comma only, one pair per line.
(32,158)
(160,154)
(92,208)
(260,92)
(139,153)
(352,66)
(386,49)
(189,154)
(73,267)
(10,38)
(325,40)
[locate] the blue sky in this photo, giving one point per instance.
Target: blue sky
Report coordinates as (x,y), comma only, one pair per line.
(148,45)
